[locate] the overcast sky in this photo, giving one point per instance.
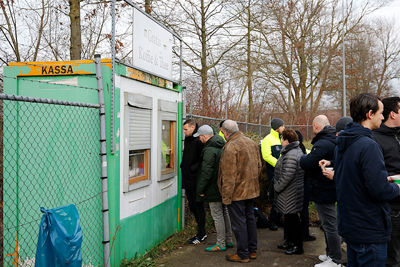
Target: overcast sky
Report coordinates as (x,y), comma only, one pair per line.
(390,11)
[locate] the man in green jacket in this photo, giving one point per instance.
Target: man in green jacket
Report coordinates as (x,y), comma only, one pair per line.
(271,147)
(207,187)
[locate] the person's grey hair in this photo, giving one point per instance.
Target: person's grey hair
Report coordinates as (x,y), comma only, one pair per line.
(230,126)
(321,121)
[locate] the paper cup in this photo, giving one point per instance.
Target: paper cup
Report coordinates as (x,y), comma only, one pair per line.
(396,179)
(329,168)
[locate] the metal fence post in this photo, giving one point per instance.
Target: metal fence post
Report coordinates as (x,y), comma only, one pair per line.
(247,123)
(103,155)
(191,109)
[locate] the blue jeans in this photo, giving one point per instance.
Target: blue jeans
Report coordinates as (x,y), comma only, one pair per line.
(366,255)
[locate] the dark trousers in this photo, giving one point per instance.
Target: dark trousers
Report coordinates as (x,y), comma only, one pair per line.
(197,209)
(244,226)
(393,253)
(304,214)
(292,226)
(366,255)
(328,215)
(274,215)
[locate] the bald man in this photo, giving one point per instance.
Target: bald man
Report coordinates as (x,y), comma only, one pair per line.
(323,190)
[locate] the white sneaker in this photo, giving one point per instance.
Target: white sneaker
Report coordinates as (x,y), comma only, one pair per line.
(323,257)
(328,263)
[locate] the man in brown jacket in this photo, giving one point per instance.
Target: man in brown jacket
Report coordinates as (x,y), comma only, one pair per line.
(239,168)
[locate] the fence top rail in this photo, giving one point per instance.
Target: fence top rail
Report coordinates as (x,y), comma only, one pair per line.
(46,101)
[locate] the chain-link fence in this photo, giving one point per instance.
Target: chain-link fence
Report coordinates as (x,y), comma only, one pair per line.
(50,158)
(251,128)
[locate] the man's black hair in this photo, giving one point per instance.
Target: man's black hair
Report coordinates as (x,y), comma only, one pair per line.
(362,104)
(301,145)
(390,104)
(190,122)
(220,124)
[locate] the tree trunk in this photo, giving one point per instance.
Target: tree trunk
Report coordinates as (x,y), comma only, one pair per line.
(75,39)
(147,6)
(204,67)
(249,71)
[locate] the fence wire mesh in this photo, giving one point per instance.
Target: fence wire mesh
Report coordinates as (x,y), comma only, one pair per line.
(50,159)
(258,130)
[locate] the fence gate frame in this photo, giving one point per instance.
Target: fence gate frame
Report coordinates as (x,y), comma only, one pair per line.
(15,255)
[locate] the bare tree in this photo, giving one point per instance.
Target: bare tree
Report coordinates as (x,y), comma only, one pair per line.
(9,30)
(207,37)
(14,24)
(302,40)
(372,60)
(388,54)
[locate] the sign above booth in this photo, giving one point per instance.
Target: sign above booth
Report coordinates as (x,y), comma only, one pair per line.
(56,68)
(152,46)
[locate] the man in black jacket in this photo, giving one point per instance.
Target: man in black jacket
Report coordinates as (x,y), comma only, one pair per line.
(189,166)
(323,191)
(388,138)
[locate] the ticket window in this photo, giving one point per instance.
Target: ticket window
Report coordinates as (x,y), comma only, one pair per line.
(167,146)
(138,110)
(168,112)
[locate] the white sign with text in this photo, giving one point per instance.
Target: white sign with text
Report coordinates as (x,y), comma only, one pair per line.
(152,46)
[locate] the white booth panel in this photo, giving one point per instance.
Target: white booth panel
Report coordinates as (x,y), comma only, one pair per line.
(164,101)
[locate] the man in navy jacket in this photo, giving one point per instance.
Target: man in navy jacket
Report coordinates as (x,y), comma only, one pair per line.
(362,185)
(388,137)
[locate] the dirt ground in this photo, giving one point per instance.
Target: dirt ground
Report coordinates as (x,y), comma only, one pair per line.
(267,255)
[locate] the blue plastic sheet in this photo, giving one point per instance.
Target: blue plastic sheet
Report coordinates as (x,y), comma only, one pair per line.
(60,238)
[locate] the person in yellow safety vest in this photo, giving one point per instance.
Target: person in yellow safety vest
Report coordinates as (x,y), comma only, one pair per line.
(165,154)
(220,130)
(271,147)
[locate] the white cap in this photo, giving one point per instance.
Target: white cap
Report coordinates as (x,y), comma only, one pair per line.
(204,130)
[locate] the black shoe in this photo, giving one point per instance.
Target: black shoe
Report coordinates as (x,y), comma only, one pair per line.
(294,251)
(285,246)
(196,240)
(309,238)
(272,226)
(190,241)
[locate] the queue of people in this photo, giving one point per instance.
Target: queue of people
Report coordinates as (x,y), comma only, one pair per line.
(349,174)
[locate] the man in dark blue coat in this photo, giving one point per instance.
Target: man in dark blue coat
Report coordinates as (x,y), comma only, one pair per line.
(362,185)
(323,191)
(388,137)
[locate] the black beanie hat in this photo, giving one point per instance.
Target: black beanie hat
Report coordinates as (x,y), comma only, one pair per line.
(342,122)
(276,123)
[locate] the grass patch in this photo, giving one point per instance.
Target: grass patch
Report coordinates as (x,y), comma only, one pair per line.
(313,215)
(307,144)
(149,259)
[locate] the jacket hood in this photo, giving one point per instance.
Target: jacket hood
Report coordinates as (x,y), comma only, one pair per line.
(385,130)
(290,146)
(328,133)
(351,134)
(216,141)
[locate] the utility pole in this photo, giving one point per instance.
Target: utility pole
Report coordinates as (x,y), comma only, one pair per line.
(343,62)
